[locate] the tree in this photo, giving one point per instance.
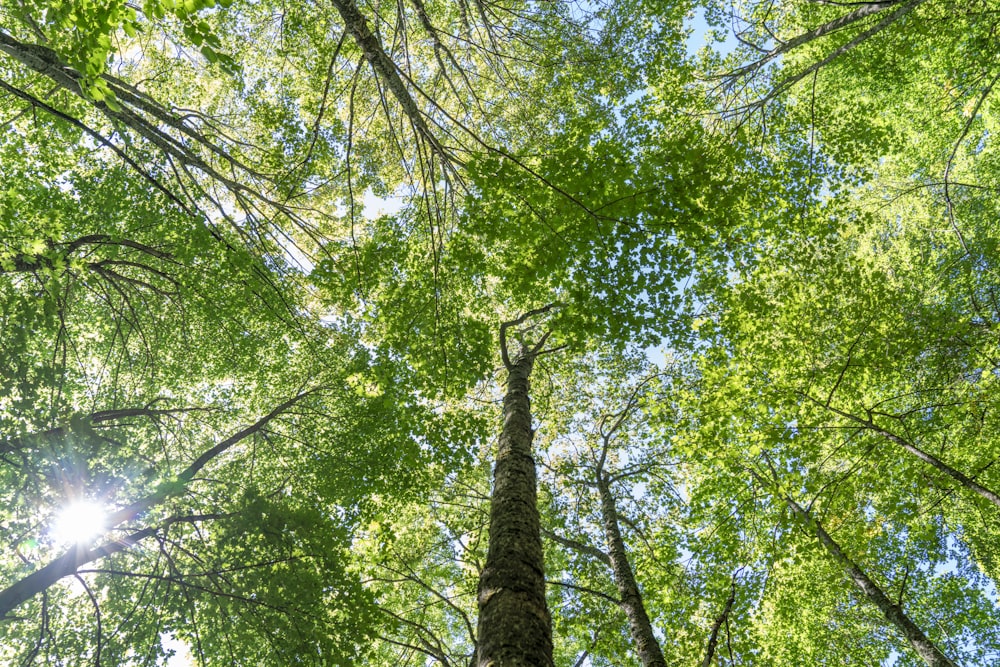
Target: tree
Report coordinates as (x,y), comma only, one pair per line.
(288,405)
(231,191)
(925,648)
(514,623)
(867,351)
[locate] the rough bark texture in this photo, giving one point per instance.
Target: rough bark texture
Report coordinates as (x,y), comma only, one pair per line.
(628,590)
(515,629)
(924,647)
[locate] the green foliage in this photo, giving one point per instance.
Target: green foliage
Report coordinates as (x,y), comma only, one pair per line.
(90,35)
(292,398)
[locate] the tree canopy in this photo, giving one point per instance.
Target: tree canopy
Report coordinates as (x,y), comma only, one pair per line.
(498,332)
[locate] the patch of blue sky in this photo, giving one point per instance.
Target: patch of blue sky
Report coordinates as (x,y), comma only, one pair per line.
(703,34)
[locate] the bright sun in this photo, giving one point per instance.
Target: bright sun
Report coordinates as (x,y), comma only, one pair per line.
(80,522)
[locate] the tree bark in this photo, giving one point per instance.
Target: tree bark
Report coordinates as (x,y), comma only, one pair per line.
(515,628)
(63,566)
(859,14)
(920,643)
(628,589)
(788,82)
(371,47)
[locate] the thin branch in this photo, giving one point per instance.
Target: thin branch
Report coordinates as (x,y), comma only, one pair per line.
(584,589)
(504,354)
(722,619)
(578,546)
(951,161)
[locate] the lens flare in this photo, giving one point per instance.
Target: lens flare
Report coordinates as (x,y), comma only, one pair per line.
(80,522)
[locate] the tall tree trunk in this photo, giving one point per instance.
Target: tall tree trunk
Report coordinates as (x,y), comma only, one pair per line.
(628,590)
(357,25)
(515,629)
(924,647)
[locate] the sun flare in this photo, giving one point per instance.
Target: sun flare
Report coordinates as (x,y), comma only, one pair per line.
(79,522)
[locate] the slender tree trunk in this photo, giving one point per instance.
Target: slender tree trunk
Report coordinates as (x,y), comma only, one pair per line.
(924,647)
(723,619)
(64,566)
(628,589)
(515,629)
(356,24)
(862,12)
(958,476)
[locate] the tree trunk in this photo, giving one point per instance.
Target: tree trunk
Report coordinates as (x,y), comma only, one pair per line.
(723,619)
(924,647)
(628,590)
(515,629)
(66,565)
(356,24)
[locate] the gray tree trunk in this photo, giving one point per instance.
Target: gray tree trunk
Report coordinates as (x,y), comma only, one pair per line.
(923,646)
(926,457)
(628,589)
(515,628)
